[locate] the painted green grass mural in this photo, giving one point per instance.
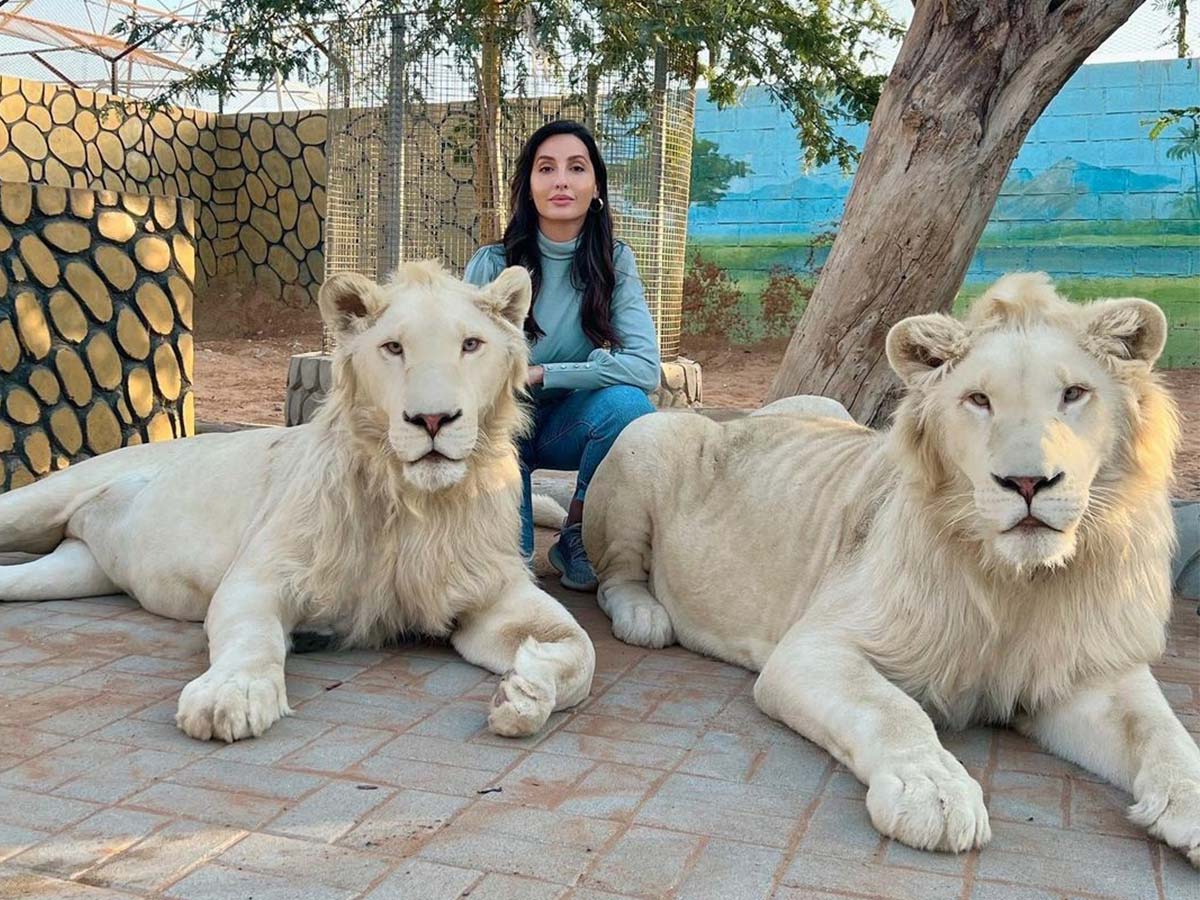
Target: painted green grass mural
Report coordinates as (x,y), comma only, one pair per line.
(754,277)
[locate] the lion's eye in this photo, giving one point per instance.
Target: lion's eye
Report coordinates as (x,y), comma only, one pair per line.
(395,348)
(471,344)
(979,399)
(1074,392)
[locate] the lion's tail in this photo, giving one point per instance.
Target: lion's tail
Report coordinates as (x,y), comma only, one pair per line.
(33,518)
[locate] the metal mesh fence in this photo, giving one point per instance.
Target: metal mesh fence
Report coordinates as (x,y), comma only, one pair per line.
(419,169)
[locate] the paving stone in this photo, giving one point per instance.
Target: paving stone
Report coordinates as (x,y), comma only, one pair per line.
(242,778)
(700,816)
(721,755)
(897,854)
(1102,808)
(813,872)
(212,882)
(41,811)
(416,879)
(452,679)
(455,721)
(732,872)
(331,811)
(613,750)
(438,750)
(282,739)
(491,852)
(842,828)
(688,707)
(1179,878)
(611,792)
(337,748)
(110,780)
(510,887)
(1021,797)
(162,856)
(218,807)
(54,767)
(995,890)
(15,838)
(89,842)
(797,765)
(422,776)
(1069,861)
(627,700)
(330,670)
(400,713)
(541,779)
(305,861)
(41,887)
(404,822)
(645,861)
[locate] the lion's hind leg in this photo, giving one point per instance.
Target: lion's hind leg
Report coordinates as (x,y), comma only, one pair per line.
(637,617)
(68,572)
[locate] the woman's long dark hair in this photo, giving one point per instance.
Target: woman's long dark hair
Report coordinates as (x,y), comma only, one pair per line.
(592,269)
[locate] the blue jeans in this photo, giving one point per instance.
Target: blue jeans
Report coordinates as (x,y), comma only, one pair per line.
(575,432)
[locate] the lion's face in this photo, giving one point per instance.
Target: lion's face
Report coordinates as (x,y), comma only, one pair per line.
(431,358)
(1025,411)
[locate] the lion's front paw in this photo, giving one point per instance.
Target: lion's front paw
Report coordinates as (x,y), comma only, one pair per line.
(231,705)
(930,804)
(519,707)
(1172,814)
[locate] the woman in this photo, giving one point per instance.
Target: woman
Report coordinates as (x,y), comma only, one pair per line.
(594,353)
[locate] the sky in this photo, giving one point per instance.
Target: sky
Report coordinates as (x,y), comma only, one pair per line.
(1142,37)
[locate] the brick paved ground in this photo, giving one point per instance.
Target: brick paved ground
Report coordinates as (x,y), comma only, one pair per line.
(666,782)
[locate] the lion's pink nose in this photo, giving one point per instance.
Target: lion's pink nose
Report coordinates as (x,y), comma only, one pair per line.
(1027,485)
(432,422)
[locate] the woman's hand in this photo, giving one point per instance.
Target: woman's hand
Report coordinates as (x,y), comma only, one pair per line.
(536,375)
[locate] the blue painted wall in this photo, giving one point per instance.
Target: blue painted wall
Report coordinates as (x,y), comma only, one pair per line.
(1087,174)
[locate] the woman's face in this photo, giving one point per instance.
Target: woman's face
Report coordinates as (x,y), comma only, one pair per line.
(563,181)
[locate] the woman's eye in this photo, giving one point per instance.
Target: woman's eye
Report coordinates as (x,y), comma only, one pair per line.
(470,345)
(394,347)
(979,399)
(1074,392)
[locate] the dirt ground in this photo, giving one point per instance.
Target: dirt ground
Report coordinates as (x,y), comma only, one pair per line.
(244,379)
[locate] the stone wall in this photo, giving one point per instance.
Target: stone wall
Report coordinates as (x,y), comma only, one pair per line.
(258,180)
(96,297)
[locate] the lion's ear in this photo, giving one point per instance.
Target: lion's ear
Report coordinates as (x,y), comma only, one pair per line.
(922,344)
(346,298)
(1126,329)
(509,295)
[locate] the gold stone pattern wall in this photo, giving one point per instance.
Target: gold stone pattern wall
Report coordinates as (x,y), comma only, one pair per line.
(265,223)
(96,299)
(258,180)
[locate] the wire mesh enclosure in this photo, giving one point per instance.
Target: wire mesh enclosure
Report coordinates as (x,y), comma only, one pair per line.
(420,152)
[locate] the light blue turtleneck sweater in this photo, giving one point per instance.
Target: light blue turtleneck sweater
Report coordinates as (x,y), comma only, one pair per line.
(571,361)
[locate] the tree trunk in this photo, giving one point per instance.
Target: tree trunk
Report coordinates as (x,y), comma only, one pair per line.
(971,79)
(487,147)
(1181,44)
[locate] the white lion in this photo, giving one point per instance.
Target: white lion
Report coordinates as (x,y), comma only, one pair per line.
(1000,555)
(395,511)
